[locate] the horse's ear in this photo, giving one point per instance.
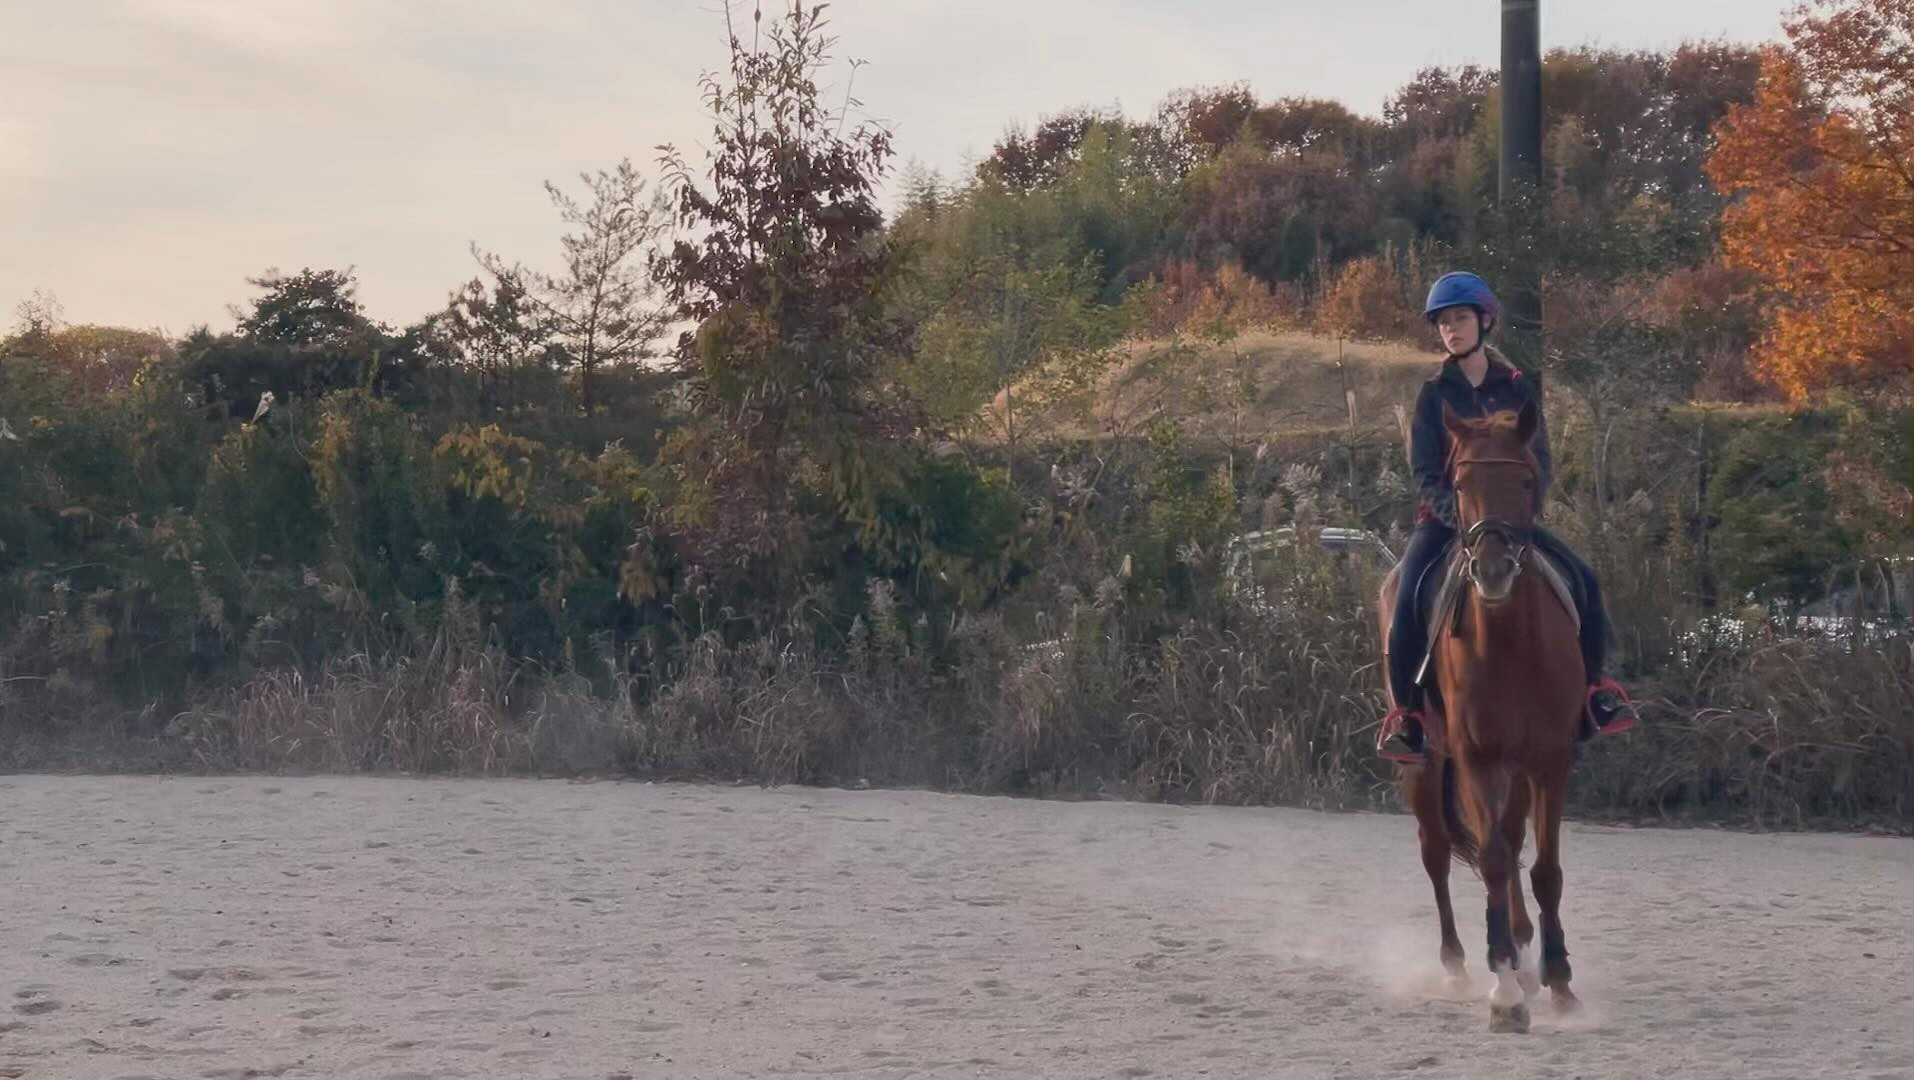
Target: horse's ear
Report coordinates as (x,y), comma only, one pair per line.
(1458,429)
(1528,421)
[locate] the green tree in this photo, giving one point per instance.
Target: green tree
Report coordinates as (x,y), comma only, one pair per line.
(309,308)
(1007,305)
(603,309)
(1775,533)
(304,336)
(1013,343)
(499,336)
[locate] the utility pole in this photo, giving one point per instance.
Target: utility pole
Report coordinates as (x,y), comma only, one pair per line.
(1519,178)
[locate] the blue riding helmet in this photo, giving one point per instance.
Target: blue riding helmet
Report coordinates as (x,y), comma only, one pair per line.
(1462,288)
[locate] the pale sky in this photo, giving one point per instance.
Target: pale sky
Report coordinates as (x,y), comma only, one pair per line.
(155,153)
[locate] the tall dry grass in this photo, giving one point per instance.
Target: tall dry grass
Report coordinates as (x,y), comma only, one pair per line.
(1259,690)
(1278,705)
(1783,733)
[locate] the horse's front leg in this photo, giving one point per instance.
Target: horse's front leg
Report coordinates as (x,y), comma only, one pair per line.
(1488,794)
(1546,878)
(1515,831)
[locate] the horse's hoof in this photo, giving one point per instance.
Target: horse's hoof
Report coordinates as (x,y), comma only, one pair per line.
(1531,985)
(1566,1003)
(1509,1019)
(1458,987)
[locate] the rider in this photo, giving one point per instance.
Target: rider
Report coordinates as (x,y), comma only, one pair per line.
(1475,380)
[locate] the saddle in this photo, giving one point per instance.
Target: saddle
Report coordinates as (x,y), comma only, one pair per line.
(1439,595)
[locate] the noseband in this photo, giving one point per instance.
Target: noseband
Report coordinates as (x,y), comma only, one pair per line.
(1516,537)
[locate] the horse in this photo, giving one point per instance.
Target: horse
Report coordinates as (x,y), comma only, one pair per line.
(1500,736)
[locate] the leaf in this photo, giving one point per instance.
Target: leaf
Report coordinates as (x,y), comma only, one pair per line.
(1824,210)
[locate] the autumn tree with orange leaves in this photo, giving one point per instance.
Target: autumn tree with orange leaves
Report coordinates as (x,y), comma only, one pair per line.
(1820,167)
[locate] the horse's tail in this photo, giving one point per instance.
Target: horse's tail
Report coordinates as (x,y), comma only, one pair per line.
(1463,844)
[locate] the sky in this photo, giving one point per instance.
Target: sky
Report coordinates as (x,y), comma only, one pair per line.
(154,154)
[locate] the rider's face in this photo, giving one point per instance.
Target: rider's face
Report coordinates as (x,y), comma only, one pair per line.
(1460,328)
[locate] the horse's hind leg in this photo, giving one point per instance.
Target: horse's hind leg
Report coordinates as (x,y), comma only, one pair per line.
(1546,877)
(1514,832)
(1424,790)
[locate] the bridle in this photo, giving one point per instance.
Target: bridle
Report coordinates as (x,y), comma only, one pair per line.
(1517,537)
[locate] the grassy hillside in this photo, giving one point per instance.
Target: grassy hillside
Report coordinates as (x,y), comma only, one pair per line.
(1260,387)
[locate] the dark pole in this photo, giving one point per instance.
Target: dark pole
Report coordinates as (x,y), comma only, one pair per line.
(1519,179)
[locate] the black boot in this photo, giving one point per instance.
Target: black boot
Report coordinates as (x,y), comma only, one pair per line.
(1609,710)
(1400,738)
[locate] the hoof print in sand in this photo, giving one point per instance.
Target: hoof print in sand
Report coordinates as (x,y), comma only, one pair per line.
(35,1002)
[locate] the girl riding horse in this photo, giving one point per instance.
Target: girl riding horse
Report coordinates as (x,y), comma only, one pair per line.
(1475,380)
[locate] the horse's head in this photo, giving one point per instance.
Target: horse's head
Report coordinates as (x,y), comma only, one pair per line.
(1494,471)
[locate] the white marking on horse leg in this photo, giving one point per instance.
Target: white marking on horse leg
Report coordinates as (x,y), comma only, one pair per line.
(1508,989)
(1531,985)
(1457,987)
(1525,973)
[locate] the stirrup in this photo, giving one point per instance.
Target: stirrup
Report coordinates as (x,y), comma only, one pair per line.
(1391,733)
(1625,716)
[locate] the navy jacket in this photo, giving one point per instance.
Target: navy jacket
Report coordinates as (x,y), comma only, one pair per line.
(1503,388)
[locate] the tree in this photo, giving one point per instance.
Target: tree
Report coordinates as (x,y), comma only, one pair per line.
(311,308)
(1821,166)
(105,359)
(786,277)
(39,315)
(1703,81)
(1439,103)
(498,336)
(1027,162)
(1771,476)
(603,308)
(306,336)
(1372,297)
(1112,208)
(1200,123)
(1277,214)
(1022,338)
(1297,124)
(1603,346)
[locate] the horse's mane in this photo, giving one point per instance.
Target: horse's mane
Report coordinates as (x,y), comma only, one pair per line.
(1494,423)
(1503,424)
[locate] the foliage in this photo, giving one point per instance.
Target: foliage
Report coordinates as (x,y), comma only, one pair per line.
(309,308)
(500,336)
(101,359)
(1374,297)
(601,311)
(1006,303)
(1777,535)
(786,280)
(1825,200)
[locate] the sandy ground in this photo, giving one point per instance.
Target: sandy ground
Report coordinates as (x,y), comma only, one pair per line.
(392,928)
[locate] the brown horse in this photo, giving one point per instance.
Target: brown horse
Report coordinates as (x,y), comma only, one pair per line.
(1501,728)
